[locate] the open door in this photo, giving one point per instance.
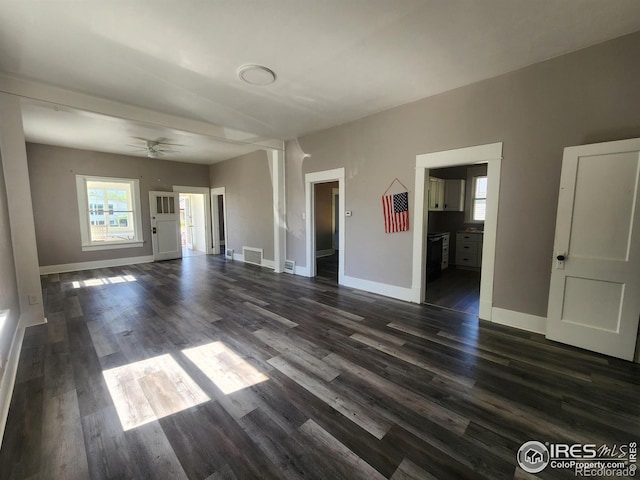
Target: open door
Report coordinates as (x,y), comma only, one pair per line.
(593,298)
(165,225)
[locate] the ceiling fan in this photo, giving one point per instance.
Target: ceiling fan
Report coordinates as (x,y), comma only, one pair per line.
(155,148)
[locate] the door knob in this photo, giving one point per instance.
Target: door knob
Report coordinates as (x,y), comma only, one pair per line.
(561,258)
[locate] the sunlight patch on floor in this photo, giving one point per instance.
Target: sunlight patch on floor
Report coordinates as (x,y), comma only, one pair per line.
(224,367)
(151,389)
(94,282)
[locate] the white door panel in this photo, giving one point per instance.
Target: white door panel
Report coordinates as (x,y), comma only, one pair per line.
(594,299)
(165,225)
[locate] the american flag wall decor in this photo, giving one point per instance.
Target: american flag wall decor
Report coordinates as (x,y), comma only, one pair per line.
(395,209)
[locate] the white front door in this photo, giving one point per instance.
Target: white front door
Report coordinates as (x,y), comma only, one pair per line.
(594,298)
(165,225)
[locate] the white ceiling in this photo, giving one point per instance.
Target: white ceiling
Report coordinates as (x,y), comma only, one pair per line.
(335,60)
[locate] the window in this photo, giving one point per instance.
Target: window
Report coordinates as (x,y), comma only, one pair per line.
(109,212)
(479,199)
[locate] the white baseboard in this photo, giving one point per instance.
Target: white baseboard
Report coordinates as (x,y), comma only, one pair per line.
(401,293)
(302,271)
(9,378)
(269,264)
(523,321)
(74,267)
(325,253)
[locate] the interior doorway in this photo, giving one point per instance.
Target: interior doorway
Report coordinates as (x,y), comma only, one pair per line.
(195,220)
(336,201)
(326,218)
(456,210)
(192,224)
(219,220)
(491,154)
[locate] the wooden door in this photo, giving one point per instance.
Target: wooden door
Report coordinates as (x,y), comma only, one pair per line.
(594,298)
(165,225)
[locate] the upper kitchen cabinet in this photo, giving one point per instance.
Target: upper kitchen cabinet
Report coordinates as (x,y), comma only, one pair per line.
(446,195)
(454,195)
(436,194)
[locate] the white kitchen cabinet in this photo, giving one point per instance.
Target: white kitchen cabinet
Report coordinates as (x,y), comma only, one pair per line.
(469,250)
(436,194)
(454,195)
(445,251)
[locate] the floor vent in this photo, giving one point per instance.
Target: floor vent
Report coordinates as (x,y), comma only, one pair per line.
(229,254)
(289,266)
(252,255)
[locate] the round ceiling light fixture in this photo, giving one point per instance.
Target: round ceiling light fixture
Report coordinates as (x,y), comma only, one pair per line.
(256,74)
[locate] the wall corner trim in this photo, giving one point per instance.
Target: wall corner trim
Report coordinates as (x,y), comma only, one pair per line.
(75,267)
(522,321)
(8,380)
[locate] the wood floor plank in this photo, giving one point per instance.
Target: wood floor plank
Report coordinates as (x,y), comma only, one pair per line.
(409,399)
(106,446)
(292,352)
(273,316)
(412,359)
(337,456)
(351,410)
(410,471)
(61,418)
(344,313)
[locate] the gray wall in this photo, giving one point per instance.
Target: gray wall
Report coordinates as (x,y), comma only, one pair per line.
(249,201)
(584,97)
(8,285)
(324,215)
(52,173)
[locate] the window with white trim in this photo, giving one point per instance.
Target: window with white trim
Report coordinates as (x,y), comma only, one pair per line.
(110,214)
(479,198)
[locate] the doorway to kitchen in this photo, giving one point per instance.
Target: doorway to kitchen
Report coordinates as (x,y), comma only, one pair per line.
(456,207)
(426,184)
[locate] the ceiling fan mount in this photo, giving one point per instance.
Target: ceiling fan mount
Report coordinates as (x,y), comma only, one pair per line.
(155,148)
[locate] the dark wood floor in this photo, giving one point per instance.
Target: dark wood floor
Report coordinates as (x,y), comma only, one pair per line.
(456,289)
(350,385)
(327,268)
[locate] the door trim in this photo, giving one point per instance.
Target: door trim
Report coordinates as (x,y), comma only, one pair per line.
(216,192)
(310,179)
(492,155)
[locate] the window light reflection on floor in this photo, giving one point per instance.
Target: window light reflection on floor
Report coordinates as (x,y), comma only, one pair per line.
(93,282)
(224,367)
(151,389)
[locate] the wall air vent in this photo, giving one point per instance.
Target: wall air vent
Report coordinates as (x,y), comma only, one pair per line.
(252,255)
(289,266)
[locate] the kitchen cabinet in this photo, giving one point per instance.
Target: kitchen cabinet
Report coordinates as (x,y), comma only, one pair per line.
(445,251)
(436,194)
(454,195)
(469,250)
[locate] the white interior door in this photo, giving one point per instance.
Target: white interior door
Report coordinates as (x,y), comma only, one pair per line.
(165,225)
(594,299)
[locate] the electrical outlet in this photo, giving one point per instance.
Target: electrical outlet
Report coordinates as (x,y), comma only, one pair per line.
(33,300)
